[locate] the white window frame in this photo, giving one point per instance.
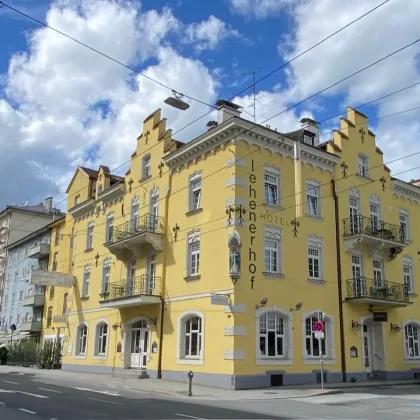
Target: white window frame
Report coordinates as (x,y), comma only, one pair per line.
(109,224)
(89,235)
(315,252)
(329,357)
(308,140)
(21,296)
(276,183)
(81,340)
(146,166)
(273,234)
(404,214)
(106,275)
(193,254)
(272,248)
(363,166)
(409,356)
(182,358)
(408,271)
(313,190)
(100,337)
(86,281)
(195,190)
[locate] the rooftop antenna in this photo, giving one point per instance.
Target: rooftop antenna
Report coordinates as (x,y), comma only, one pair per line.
(253,90)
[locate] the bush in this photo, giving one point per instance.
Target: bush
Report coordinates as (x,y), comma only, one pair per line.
(3,355)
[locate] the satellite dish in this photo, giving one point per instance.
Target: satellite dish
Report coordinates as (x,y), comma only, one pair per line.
(177,101)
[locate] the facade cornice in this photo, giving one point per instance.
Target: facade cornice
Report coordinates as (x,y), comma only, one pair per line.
(112,193)
(408,191)
(82,208)
(237,129)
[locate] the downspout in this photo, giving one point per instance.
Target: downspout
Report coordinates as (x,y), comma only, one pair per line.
(339,283)
(163,287)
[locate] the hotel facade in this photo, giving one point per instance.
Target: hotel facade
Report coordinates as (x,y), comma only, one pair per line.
(220,255)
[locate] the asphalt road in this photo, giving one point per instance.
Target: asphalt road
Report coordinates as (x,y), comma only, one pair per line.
(24,397)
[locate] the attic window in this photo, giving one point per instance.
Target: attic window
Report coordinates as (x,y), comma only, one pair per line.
(100,187)
(308,140)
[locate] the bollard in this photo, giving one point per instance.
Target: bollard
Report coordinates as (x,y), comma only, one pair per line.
(190,375)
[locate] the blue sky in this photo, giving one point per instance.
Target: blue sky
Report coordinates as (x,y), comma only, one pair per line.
(62,105)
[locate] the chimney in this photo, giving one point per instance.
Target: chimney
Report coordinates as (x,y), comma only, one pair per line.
(415,182)
(48,204)
(312,126)
(226,111)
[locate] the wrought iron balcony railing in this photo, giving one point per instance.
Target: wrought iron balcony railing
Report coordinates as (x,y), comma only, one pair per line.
(364,288)
(143,285)
(357,225)
(147,223)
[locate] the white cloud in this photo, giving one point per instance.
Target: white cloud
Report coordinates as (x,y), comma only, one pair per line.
(259,8)
(366,41)
(209,33)
(50,111)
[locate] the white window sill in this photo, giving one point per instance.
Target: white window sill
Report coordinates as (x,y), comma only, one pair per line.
(273,361)
(100,357)
(193,211)
(196,362)
(412,361)
(80,356)
(272,275)
(316,361)
(192,277)
(274,206)
(316,281)
(318,217)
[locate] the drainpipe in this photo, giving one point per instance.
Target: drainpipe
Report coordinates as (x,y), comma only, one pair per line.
(163,288)
(339,283)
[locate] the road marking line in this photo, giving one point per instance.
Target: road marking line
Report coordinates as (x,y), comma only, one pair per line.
(2,403)
(11,382)
(112,394)
(7,391)
(105,401)
(50,390)
(26,411)
(32,395)
(190,417)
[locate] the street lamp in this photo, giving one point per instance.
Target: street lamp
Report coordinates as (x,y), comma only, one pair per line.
(177,101)
(12,328)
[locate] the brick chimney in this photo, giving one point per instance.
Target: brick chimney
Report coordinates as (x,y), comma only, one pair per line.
(48,204)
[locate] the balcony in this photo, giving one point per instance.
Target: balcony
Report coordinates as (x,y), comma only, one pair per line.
(136,235)
(34,299)
(376,292)
(39,251)
(373,233)
(142,290)
(31,326)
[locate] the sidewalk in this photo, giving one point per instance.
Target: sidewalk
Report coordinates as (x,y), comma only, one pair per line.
(162,387)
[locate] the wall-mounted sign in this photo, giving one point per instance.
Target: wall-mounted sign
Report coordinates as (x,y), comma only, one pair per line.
(59,319)
(119,347)
(353,351)
(219,300)
(380,316)
(252,195)
(48,278)
(319,335)
(154,347)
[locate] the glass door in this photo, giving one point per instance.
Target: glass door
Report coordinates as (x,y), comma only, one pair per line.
(358,279)
(131,275)
(354,215)
(378,275)
(374,217)
(135,347)
(144,343)
(151,273)
(367,348)
(135,214)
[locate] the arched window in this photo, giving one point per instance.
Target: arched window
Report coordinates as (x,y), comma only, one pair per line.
(101,339)
(190,339)
(147,167)
(272,332)
(412,342)
(81,344)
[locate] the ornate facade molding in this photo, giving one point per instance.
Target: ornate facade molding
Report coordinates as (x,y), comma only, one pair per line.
(234,355)
(405,190)
(234,330)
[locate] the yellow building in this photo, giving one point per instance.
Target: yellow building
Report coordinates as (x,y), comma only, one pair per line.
(220,255)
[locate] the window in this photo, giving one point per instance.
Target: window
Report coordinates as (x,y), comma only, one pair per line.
(314,346)
(271,255)
(109,230)
(315,258)
(57,236)
(195,192)
(77,200)
(49,316)
(99,189)
(13,300)
(16,276)
(24,272)
(81,340)
(272,335)
(192,337)
(408,274)
(106,277)
(374,212)
(18,319)
(21,296)
(363,166)
(312,199)
(405,225)
(271,186)
(101,339)
(308,140)
(55,258)
(86,281)
(147,166)
(89,236)
(412,342)
(52,292)
(193,268)
(5,300)
(65,297)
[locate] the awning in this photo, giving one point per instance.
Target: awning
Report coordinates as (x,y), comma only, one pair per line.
(5,339)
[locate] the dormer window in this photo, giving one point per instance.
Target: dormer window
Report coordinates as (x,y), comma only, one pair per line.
(308,140)
(99,189)
(147,167)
